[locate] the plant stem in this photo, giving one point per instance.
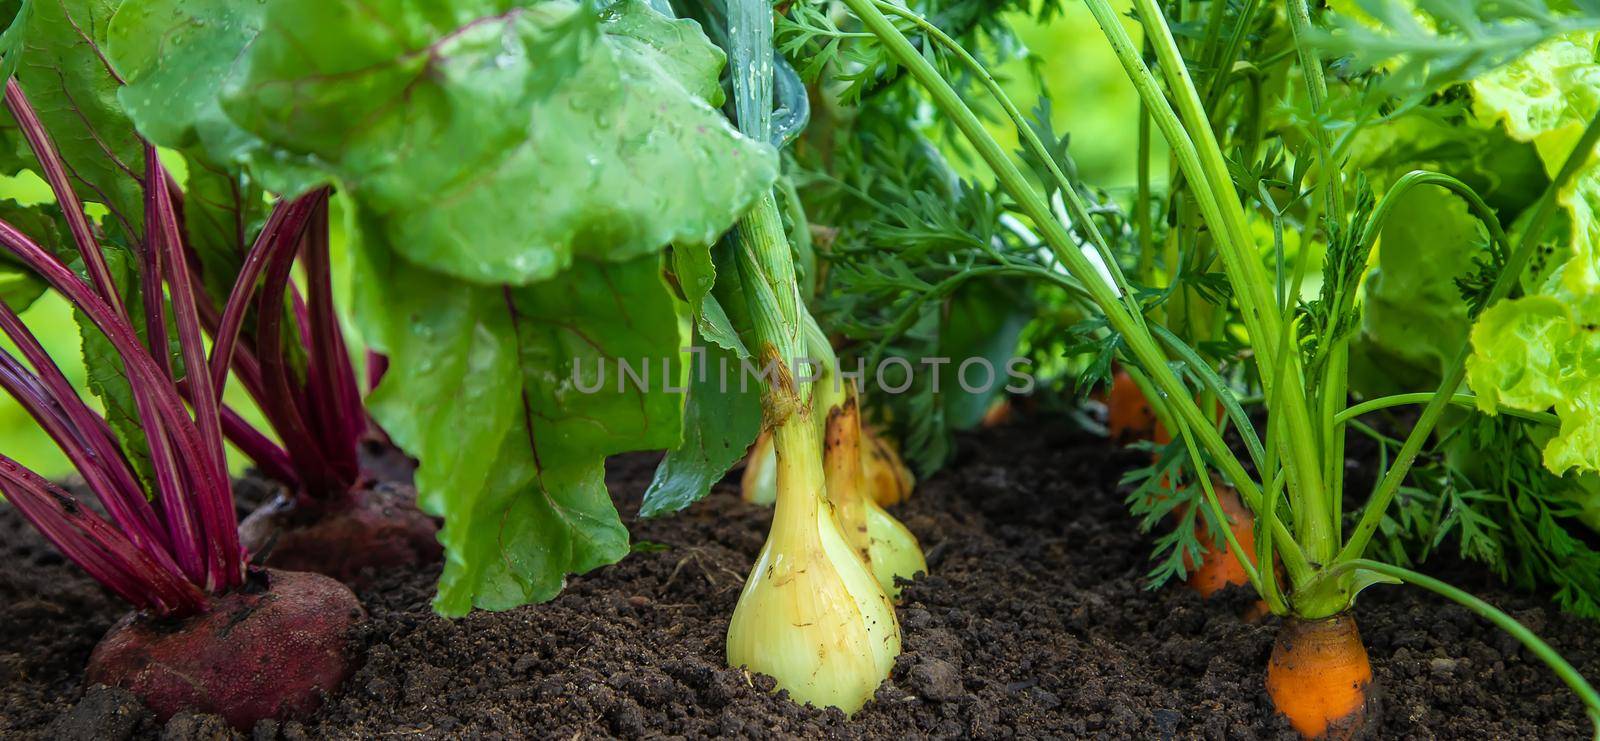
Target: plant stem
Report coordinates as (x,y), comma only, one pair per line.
(1219,81)
(159,407)
(1200,159)
(146,578)
(83,435)
(1468,401)
(1140,343)
(331,386)
(209,484)
(1077,210)
(54,171)
(285,401)
(284,228)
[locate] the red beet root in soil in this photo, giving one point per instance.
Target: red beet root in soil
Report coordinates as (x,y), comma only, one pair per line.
(377,526)
(271,649)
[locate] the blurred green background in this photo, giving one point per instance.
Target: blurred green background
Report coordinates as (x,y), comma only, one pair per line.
(1090,97)
(1091,100)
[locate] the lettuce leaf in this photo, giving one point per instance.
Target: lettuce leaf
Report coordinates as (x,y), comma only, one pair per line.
(1414,317)
(1542,350)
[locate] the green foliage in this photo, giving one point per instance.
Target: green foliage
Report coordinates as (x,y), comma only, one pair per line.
(1167,500)
(1415,318)
(472,110)
(483,389)
(920,265)
(1430,44)
(74,91)
(517,169)
(721,415)
(174,58)
(1542,350)
(1426,293)
(1505,511)
(858,68)
(1539,353)
(720,420)
(19,287)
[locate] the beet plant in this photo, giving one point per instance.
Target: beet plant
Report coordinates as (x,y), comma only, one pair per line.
(514,173)
(107,96)
(210,633)
(347,505)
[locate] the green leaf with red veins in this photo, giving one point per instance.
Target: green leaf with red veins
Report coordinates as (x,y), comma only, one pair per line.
(174,56)
(535,135)
(67,78)
(482,389)
(223,211)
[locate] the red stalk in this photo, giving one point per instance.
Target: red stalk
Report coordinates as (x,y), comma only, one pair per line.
(82,434)
(270,457)
(146,578)
(215,491)
(282,232)
(55,173)
(283,403)
(340,416)
(159,406)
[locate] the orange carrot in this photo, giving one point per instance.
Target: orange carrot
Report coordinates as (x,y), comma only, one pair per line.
(1222,569)
(1319,675)
(998,414)
(1130,420)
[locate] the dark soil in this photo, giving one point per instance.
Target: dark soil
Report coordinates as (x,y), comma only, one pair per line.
(1034,623)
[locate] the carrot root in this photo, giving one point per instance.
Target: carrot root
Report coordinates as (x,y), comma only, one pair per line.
(999,414)
(1128,415)
(1319,676)
(1220,568)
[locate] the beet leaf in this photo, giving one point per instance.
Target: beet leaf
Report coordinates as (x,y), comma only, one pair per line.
(515,172)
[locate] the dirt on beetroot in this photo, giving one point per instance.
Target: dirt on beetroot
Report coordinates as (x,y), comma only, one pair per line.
(1035,622)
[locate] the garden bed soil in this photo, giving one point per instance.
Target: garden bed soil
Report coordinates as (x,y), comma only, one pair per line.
(1034,622)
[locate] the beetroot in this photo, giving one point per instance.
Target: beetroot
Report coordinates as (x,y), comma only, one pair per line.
(376,527)
(209,633)
(271,649)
